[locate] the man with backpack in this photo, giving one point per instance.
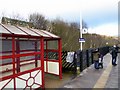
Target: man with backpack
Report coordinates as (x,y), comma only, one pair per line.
(114,55)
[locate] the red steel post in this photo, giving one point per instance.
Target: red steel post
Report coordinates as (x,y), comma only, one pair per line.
(46,56)
(18,58)
(60,58)
(13,60)
(35,55)
(42,59)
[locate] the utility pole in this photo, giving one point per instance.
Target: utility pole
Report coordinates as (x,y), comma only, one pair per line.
(80,40)
(81,30)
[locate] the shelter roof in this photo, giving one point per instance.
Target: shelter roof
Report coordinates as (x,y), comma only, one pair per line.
(18,30)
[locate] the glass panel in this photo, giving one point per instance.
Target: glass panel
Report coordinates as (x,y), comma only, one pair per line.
(29,62)
(41,33)
(52,35)
(3,30)
(52,45)
(7,61)
(27,45)
(14,29)
(6,67)
(6,47)
(53,55)
(44,45)
(28,31)
(27,65)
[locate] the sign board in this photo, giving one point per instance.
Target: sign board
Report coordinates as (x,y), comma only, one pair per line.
(81,40)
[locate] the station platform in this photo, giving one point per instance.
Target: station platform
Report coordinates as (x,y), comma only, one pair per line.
(106,78)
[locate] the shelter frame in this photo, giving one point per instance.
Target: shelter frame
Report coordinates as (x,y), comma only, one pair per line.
(16,55)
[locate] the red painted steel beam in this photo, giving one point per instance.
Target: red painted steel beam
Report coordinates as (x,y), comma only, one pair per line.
(27,54)
(51,50)
(1,72)
(46,56)
(35,45)
(19,55)
(13,60)
(21,36)
(20,73)
(9,70)
(51,60)
(33,39)
(51,39)
(6,57)
(20,51)
(26,60)
(60,58)
(42,60)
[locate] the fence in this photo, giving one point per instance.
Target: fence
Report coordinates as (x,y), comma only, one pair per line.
(86,56)
(82,59)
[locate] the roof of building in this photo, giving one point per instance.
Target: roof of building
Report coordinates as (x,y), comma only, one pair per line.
(18,30)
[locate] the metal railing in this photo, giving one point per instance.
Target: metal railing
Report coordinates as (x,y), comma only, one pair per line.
(82,59)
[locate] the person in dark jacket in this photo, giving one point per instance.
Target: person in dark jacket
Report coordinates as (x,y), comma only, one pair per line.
(114,55)
(96,56)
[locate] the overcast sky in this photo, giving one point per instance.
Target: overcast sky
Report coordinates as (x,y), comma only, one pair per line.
(100,15)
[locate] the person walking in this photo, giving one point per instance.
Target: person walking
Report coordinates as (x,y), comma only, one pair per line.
(114,55)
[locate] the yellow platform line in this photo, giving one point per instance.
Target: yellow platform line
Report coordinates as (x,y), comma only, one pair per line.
(104,77)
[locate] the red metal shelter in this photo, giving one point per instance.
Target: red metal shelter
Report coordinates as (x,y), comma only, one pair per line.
(25,56)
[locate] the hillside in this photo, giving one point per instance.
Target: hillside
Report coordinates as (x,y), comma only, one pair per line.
(69,33)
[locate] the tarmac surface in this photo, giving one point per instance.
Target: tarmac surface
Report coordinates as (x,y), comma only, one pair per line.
(106,78)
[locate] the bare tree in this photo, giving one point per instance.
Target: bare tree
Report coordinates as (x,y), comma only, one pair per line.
(17,16)
(84,24)
(38,21)
(3,14)
(74,25)
(68,33)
